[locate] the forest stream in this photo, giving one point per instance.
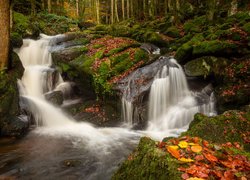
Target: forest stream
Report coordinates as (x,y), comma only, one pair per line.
(68,149)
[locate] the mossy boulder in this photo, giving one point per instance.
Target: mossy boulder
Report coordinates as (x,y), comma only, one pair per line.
(215,47)
(205,66)
(9,99)
(173,32)
(148,162)
(16,40)
(231,126)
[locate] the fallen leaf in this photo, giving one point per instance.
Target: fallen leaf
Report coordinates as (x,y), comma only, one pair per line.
(174,152)
(196,148)
(185,176)
(210,157)
(183,144)
(199,157)
(185,160)
(195,178)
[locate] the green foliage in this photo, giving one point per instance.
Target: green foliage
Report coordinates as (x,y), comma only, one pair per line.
(21,23)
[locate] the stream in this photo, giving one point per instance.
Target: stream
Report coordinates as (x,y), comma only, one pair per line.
(59,147)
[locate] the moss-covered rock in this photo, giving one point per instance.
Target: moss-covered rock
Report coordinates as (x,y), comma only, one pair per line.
(148,162)
(9,98)
(16,40)
(205,66)
(214,47)
(173,32)
(231,126)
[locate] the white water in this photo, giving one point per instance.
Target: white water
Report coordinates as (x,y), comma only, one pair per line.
(171,108)
(51,120)
(171,105)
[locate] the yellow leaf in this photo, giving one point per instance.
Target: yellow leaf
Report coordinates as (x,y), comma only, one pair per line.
(196,148)
(186,160)
(192,144)
(183,144)
(174,147)
(195,178)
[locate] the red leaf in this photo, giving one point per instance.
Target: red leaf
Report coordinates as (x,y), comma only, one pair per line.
(185,176)
(210,157)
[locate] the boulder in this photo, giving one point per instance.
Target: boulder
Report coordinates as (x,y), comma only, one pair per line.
(9,100)
(55,97)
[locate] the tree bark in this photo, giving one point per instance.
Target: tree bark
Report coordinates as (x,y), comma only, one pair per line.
(4,33)
(33,7)
(128,8)
(98,11)
(123,10)
(116,11)
(49,6)
(112,12)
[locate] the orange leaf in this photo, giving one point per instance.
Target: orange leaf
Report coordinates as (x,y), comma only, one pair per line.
(205,143)
(199,157)
(174,152)
(210,157)
(196,148)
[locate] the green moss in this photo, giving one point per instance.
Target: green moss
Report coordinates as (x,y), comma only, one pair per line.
(246,27)
(232,126)
(148,162)
(184,52)
(196,25)
(173,32)
(16,39)
(20,23)
(213,47)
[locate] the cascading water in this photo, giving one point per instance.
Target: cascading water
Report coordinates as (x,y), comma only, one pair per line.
(171,104)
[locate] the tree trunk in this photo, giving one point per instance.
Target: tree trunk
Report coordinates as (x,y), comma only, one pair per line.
(123,10)
(234,7)
(4,33)
(112,12)
(211,9)
(128,8)
(98,11)
(49,6)
(116,11)
(33,7)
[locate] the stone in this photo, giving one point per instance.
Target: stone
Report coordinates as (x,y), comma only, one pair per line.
(55,97)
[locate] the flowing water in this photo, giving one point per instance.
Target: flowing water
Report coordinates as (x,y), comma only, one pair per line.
(61,148)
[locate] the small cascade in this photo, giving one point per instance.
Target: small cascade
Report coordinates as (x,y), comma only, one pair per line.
(38,79)
(127,106)
(171,104)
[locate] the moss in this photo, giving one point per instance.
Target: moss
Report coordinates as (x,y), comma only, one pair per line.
(214,47)
(205,66)
(184,52)
(195,25)
(148,162)
(231,126)
(154,38)
(20,23)
(246,27)
(16,40)
(173,32)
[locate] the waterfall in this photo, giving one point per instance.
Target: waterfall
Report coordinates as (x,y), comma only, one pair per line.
(171,104)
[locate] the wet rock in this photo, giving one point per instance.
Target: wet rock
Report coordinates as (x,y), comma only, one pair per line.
(68,54)
(71,163)
(9,96)
(136,86)
(17,126)
(55,97)
(150,48)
